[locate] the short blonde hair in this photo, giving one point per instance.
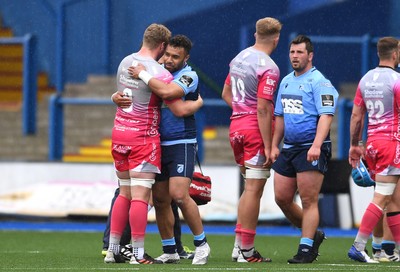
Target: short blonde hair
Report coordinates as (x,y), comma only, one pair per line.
(268,26)
(156,34)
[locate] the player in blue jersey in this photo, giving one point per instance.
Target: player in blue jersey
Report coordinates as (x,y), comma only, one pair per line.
(304,111)
(178,142)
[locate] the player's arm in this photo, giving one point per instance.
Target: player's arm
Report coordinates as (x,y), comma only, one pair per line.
(181,108)
(163,90)
(265,109)
(323,127)
(227,91)
(277,137)
(356,128)
(121,100)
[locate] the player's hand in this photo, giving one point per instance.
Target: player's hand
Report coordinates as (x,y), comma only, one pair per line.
(313,154)
(268,159)
(355,154)
(134,71)
(200,99)
(121,100)
(274,153)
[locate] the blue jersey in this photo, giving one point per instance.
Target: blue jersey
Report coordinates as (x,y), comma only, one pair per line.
(301,100)
(177,130)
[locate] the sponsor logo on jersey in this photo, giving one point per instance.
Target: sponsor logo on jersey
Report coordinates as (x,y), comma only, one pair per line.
(292,104)
(374,84)
(326,84)
(186,80)
(271,82)
(133,83)
(327,100)
(373,94)
(153,155)
(153,130)
(179,168)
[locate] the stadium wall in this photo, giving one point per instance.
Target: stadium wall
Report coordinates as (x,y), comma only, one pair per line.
(61,190)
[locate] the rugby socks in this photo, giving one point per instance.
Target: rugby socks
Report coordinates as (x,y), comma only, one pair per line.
(369,220)
(305,245)
(388,247)
(138,223)
(393,220)
(119,219)
(200,239)
(376,243)
(169,245)
(248,236)
(238,236)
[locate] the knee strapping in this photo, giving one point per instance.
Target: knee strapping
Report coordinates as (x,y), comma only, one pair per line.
(124,182)
(384,188)
(257,173)
(148,183)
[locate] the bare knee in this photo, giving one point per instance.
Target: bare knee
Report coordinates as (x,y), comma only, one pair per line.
(283,201)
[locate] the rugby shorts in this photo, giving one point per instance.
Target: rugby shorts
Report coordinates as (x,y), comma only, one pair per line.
(294,160)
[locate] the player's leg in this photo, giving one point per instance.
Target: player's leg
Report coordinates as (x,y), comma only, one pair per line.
(371,217)
(249,203)
(119,219)
(183,251)
(393,221)
(165,220)
(285,189)
(377,237)
(309,185)
(389,252)
(106,233)
(179,182)
(144,162)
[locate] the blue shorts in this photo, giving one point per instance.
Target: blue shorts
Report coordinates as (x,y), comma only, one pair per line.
(177,161)
(294,160)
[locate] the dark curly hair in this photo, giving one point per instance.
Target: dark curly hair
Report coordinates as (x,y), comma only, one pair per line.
(181,41)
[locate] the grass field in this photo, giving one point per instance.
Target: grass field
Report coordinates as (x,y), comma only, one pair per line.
(78,251)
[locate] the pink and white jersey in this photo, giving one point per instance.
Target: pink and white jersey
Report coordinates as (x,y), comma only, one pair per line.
(379,92)
(252,74)
(138,124)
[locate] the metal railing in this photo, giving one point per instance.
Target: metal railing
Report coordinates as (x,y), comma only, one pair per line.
(56,121)
(29,84)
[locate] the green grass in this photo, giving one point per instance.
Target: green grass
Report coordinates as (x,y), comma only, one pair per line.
(60,251)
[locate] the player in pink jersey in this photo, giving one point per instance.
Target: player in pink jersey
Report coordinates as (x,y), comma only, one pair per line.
(249,90)
(136,146)
(378,94)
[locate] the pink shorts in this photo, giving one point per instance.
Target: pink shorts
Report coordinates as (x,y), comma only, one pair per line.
(383,157)
(248,147)
(138,158)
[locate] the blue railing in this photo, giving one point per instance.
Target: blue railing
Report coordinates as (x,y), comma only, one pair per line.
(56,121)
(29,84)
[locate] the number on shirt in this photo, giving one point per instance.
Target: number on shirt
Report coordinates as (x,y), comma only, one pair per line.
(237,90)
(375,111)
